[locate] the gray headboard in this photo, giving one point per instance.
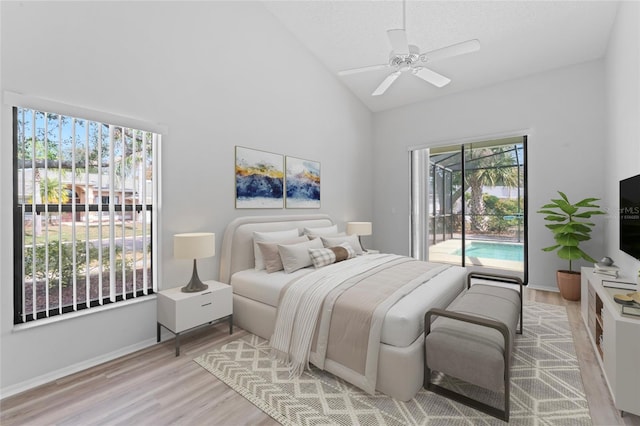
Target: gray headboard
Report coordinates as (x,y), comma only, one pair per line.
(237,243)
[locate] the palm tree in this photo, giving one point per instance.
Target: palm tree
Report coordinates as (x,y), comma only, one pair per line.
(135,167)
(51,192)
(488,167)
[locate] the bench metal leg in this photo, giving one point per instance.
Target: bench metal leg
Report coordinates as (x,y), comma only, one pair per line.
(463,399)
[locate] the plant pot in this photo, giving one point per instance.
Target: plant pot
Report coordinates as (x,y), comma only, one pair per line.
(569,284)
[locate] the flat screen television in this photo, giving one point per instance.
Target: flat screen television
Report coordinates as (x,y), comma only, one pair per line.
(630,216)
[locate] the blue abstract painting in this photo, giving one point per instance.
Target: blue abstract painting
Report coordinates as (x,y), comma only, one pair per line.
(302,183)
(259,179)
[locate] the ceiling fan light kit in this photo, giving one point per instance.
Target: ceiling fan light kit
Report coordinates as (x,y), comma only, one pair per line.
(407,57)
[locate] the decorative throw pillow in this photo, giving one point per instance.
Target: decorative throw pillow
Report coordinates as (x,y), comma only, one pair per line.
(271,255)
(327,256)
(313,236)
(321,231)
(272,237)
(336,241)
(296,256)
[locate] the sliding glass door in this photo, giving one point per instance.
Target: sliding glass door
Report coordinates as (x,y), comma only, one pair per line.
(474,199)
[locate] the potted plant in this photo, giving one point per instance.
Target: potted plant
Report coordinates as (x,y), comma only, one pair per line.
(569,225)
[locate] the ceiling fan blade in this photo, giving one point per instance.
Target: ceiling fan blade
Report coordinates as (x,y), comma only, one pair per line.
(386,83)
(363,69)
(398,40)
(462,48)
(432,77)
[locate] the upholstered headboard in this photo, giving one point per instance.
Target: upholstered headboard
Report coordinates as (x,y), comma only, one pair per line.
(237,243)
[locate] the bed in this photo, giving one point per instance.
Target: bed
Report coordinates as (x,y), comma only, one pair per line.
(399,360)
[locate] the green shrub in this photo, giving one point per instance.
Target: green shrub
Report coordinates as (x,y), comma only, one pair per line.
(61,265)
(503,213)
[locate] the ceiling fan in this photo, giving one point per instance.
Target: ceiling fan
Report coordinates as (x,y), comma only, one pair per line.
(405,57)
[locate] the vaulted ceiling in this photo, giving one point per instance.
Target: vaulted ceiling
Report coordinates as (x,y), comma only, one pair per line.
(517,38)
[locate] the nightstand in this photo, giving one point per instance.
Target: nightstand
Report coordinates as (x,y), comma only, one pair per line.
(370,251)
(179,312)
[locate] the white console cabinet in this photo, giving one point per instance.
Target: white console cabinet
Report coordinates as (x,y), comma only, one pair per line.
(616,338)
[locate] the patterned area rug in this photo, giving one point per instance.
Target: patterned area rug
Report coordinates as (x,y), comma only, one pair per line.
(546,387)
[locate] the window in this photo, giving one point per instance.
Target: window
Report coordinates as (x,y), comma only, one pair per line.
(84,194)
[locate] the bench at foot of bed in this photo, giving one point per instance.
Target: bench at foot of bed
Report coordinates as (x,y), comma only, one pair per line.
(473,339)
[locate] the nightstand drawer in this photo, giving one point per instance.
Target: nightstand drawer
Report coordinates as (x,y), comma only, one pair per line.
(194,311)
(221,299)
(197,301)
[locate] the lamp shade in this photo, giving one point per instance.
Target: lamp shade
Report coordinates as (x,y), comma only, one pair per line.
(195,245)
(359,228)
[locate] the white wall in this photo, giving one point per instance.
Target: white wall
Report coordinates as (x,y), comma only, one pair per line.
(564,111)
(622,68)
(218,74)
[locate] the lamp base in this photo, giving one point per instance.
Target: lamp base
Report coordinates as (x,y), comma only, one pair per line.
(195,285)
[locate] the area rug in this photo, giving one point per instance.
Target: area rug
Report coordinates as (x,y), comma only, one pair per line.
(546,386)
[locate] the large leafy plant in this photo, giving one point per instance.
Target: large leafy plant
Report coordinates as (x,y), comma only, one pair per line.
(569,226)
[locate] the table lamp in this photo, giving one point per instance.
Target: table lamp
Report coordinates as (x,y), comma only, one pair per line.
(195,245)
(359,229)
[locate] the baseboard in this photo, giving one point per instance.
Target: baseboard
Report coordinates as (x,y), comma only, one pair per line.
(55,375)
(535,287)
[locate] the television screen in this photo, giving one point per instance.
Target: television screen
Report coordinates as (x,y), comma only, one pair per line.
(630,216)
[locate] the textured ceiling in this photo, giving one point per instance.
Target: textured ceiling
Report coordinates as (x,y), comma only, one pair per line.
(517,38)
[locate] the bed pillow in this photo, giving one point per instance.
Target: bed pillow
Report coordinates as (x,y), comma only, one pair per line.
(296,256)
(327,256)
(272,237)
(353,241)
(271,255)
(321,231)
(313,236)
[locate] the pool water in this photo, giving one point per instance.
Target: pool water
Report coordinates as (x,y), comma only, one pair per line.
(503,251)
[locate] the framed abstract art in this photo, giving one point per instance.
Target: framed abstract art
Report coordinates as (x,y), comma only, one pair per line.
(302,183)
(259,179)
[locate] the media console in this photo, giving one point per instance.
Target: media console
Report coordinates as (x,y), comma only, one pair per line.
(615,337)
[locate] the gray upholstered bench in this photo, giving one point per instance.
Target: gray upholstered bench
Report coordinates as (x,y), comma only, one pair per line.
(473,339)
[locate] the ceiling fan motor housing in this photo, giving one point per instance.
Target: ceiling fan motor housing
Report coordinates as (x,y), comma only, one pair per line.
(404,62)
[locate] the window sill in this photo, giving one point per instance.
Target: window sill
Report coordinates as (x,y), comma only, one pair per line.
(84,312)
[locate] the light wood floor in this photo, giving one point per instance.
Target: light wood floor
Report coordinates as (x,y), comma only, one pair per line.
(153,387)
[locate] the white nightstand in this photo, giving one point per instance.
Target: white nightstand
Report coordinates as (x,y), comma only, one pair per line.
(370,251)
(179,312)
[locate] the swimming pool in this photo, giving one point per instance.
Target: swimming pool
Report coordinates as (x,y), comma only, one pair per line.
(503,251)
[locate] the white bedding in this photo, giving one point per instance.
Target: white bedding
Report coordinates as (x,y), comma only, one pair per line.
(261,286)
(403,322)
